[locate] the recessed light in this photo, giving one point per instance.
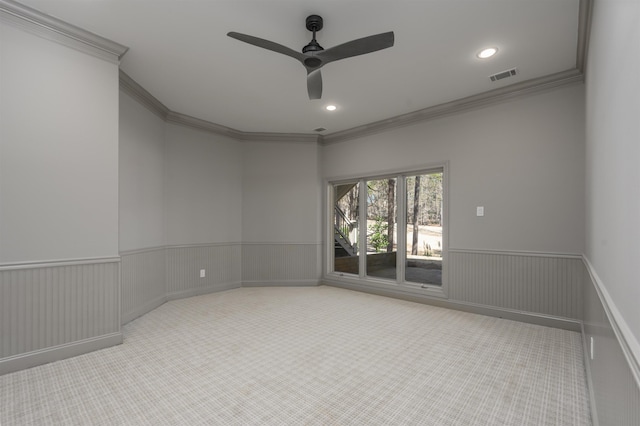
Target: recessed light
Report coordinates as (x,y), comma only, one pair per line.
(331,107)
(487,53)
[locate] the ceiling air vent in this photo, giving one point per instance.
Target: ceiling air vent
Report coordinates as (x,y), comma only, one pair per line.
(503,74)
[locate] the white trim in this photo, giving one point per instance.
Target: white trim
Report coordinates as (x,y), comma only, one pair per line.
(56,353)
(382,174)
(279,137)
(413,289)
(226,244)
(142,250)
(584,31)
(200,245)
(492,311)
(146,99)
(587,368)
(400,174)
(208,126)
(282,283)
(518,90)
(58,262)
(294,243)
(626,339)
(140,94)
(144,309)
(202,290)
(518,253)
(61,32)
(199,124)
(481,100)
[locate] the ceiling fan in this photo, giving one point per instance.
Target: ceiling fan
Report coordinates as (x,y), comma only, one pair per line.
(314,56)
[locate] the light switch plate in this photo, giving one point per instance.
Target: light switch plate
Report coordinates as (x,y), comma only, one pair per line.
(480,211)
(202,273)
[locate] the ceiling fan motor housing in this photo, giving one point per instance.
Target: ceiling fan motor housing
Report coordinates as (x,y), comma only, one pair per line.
(314,23)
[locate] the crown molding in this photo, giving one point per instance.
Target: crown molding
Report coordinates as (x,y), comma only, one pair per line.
(525,88)
(139,93)
(61,32)
(495,96)
(133,89)
(584,32)
(491,97)
(199,124)
(196,123)
(280,137)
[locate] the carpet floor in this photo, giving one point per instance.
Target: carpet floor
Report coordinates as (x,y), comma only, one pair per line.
(310,356)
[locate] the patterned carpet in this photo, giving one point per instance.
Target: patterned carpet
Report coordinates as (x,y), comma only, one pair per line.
(310,356)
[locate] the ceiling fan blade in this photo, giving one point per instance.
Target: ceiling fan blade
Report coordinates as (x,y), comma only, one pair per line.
(357,47)
(266,44)
(314,84)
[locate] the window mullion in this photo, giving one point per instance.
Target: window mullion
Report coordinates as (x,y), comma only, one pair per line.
(362,223)
(401,226)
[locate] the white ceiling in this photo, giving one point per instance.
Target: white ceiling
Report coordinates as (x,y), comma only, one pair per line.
(180,53)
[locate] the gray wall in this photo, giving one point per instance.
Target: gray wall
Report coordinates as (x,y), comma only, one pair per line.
(142,233)
(142,170)
(613,148)
(59,151)
(523,160)
(280,213)
(180,207)
(59,270)
(203,204)
(203,187)
(612,317)
(245,211)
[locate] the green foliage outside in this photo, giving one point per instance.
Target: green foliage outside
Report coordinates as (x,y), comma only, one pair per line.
(378,237)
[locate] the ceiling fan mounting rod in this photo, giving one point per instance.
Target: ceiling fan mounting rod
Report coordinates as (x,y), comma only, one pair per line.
(314,24)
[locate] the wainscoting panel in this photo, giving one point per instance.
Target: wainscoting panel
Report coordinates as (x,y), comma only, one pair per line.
(615,393)
(280,264)
(221,263)
(56,305)
(143,282)
(542,284)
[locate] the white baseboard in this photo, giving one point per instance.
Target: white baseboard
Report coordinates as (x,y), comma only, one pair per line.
(589,377)
(57,353)
(282,283)
(203,290)
(141,310)
(528,317)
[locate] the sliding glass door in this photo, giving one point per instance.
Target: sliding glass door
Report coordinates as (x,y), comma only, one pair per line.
(390,228)
(381,228)
(424,201)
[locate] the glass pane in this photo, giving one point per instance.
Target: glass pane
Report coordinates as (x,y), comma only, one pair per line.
(424,229)
(345,224)
(381,228)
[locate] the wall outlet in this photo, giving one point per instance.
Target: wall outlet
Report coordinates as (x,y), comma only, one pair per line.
(591,348)
(480,211)
(203,273)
